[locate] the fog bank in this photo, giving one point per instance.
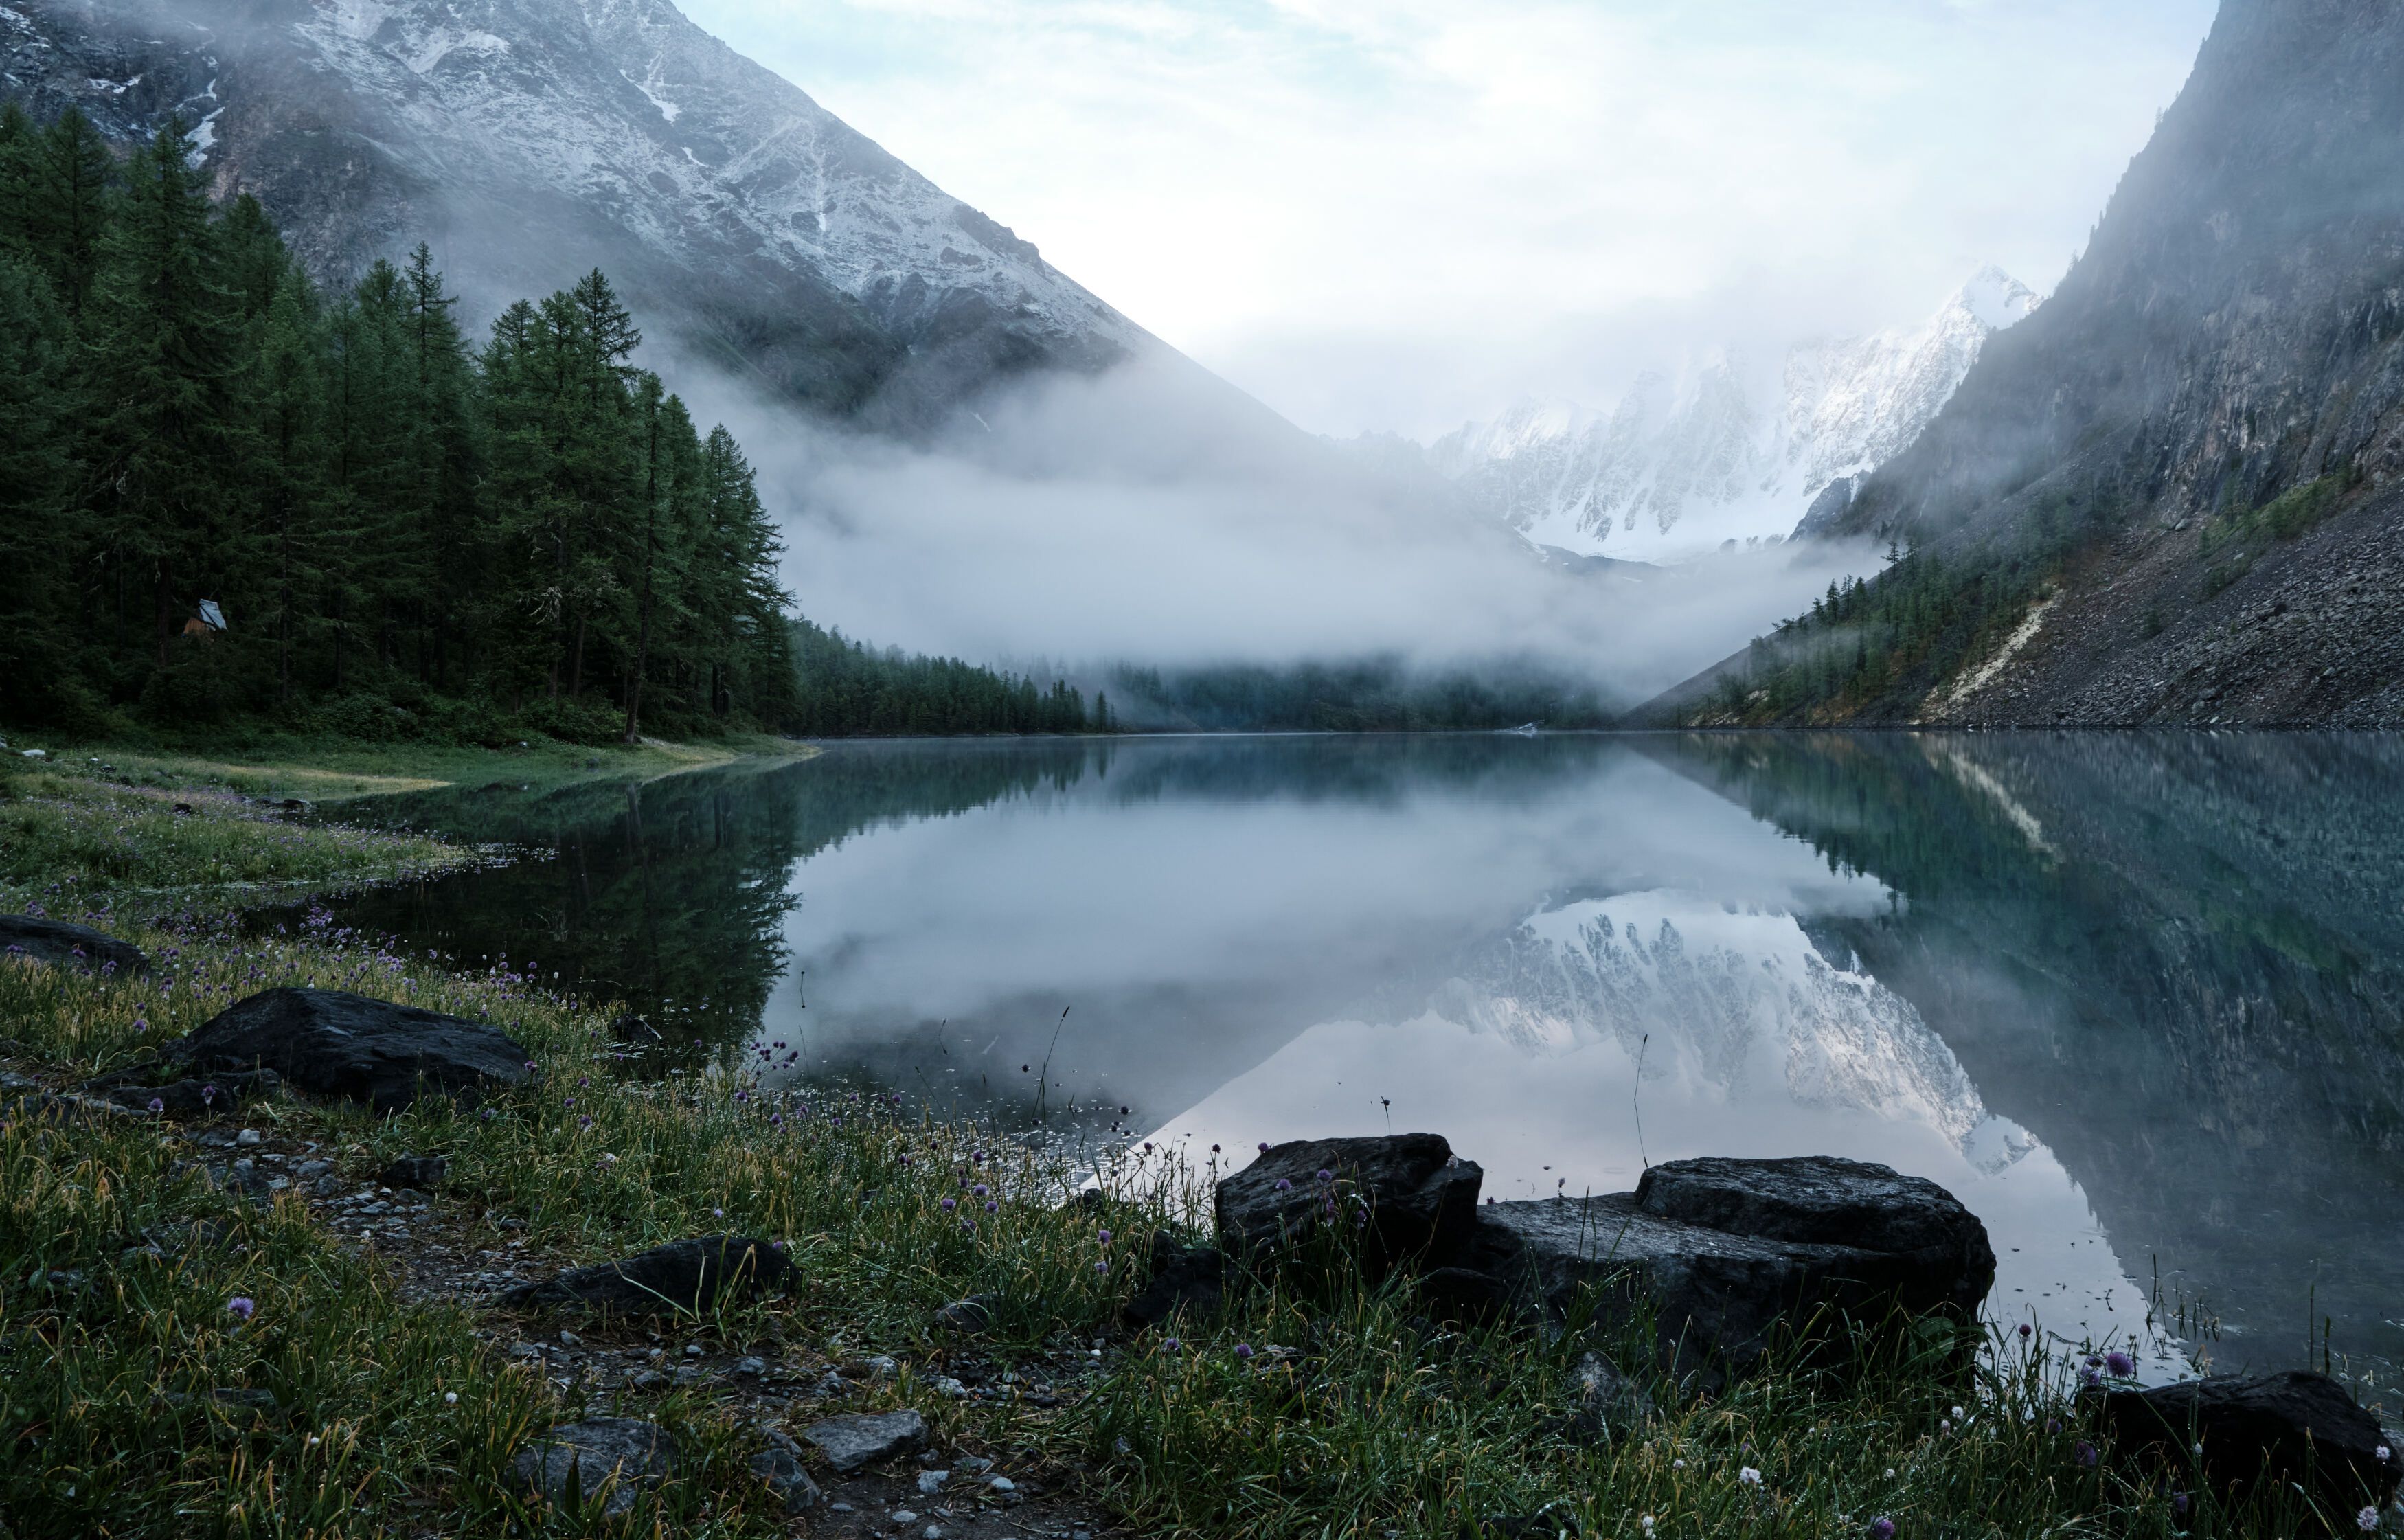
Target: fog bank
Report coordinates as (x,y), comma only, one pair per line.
(1153,515)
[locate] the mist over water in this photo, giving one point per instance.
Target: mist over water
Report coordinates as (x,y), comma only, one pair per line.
(2131,998)
(1153,515)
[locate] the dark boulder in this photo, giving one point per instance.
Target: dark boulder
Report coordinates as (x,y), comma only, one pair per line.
(2292,1427)
(1188,1280)
(67,945)
(681,1276)
(331,1042)
(1724,1256)
(1407,1193)
(607,1462)
(423,1173)
(1829,1202)
(852,1443)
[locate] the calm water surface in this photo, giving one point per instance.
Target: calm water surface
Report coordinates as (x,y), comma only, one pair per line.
(2136,1000)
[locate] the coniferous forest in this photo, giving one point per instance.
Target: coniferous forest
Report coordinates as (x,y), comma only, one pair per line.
(227,496)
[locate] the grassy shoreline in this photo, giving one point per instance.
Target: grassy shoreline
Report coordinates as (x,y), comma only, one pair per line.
(133,1402)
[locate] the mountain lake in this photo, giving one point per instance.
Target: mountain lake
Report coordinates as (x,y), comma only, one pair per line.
(2137,999)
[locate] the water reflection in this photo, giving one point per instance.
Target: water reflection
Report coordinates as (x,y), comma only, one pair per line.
(2134,988)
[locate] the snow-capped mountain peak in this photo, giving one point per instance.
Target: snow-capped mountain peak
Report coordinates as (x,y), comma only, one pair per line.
(1723,454)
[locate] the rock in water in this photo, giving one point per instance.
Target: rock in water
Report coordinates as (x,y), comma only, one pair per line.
(334,1043)
(1420,1201)
(2293,1427)
(1724,1255)
(609,1460)
(851,1443)
(683,1275)
(1187,1280)
(67,945)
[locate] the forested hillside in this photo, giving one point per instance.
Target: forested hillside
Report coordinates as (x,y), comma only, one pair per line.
(226,497)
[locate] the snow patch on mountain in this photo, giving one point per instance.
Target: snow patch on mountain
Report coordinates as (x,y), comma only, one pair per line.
(1723,454)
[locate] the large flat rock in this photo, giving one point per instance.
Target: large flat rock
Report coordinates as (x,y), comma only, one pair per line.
(853,1443)
(1748,1251)
(1408,1193)
(331,1043)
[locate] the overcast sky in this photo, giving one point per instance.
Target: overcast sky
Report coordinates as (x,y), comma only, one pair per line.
(1405,214)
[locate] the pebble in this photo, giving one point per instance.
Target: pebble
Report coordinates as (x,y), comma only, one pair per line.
(903,1516)
(692,1349)
(840,1507)
(1001,1483)
(753,1366)
(931,1482)
(569,1339)
(934,1531)
(248,1136)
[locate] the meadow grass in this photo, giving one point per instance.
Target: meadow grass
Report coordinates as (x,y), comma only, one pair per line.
(129,1399)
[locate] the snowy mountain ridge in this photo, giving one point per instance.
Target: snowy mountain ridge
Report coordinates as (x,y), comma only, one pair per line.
(528,140)
(1680,468)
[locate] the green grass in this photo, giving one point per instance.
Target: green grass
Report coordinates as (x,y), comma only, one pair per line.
(72,841)
(1372,1423)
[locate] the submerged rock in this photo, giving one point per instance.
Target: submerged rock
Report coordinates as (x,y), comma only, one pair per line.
(611,1461)
(1407,1193)
(66,945)
(331,1043)
(2293,1427)
(852,1443)
(1725,1256)
(680,1276)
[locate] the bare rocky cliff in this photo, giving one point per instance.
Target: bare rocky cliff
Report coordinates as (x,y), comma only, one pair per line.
(530,140)
(2178,488)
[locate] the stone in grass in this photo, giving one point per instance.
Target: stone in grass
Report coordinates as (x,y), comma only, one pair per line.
(57,943)
(609,1460)
(332,1043)
(2293,1427)
(1607,1406)
(853,1443)
(779,1465)
(681,1276)
(968,1316)
(1420,1201)
(1188,1280)
(423,1173)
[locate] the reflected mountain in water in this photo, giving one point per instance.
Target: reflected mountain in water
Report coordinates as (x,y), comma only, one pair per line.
(2144,981)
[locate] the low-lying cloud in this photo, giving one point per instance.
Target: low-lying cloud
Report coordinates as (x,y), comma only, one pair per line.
(1153,515)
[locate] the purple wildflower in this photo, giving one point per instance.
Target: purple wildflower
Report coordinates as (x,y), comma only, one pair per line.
(991,1207)
(2086,1452)
(1264,1146)
(241,1306)
(1106,1238)
(2024,1330)
(1881,1528)
(1283,1184)
(981,1190)
(2120,1364)
(1243,1350)
(1326,1175)
(1171,1345)
(157,1105)
(950,1203)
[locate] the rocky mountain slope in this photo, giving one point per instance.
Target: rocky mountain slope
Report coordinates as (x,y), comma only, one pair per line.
(2173,495)
(530,140)
(1678,469)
